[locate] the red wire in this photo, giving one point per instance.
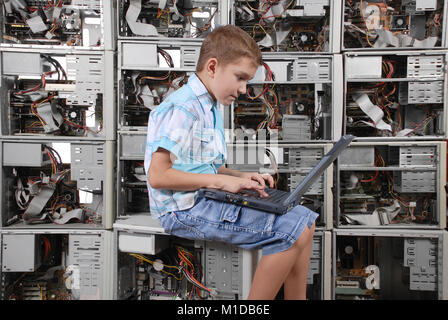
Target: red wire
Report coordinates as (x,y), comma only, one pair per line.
(370,180)
(47,246)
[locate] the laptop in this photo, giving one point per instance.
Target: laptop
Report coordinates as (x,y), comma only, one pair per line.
(279,202)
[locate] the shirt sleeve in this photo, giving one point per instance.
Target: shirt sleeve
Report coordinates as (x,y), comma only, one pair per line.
(172,130)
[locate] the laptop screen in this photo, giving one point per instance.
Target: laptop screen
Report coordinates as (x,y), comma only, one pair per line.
(321,166)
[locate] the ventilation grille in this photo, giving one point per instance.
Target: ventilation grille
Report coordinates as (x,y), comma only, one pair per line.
(189,56)
(420,255)
(88,72)
(425,92)
(315,260)
(88,4)
(86,254)
(423,66)
(312,69)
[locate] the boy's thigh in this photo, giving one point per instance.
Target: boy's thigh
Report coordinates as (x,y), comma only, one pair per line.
(245,227)
(217,221)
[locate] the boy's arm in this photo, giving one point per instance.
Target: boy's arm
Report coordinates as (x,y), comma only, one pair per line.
(163,176)
(230,172)
(260,178)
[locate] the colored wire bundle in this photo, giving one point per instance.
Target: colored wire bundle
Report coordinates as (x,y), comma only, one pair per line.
(170,63)
(379,162)
(186,267)
(62,74)
(143,258)
(187,264)
(164,16)
(36,104)
(85,128)
(55,159)
(269,77)
(365,24)
(265,95)
(40,85)
(201,30)
(267,4)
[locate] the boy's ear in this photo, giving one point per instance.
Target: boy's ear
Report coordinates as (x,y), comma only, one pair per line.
(211,66)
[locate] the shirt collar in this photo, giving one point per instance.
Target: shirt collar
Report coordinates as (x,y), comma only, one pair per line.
(201,91)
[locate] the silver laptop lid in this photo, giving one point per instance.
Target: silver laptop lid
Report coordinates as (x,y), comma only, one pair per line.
(323,164)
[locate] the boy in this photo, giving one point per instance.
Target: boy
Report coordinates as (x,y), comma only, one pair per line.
(185,151)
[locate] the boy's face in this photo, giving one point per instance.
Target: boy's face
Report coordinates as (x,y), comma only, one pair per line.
(229,81)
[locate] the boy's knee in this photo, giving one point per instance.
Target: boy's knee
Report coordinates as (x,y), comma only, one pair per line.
(311,232)
(305,238)
(313,228)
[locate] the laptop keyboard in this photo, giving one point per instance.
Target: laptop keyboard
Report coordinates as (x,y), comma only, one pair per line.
(273,194)
(276,194)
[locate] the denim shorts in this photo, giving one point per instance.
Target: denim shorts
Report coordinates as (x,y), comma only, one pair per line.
(240,226)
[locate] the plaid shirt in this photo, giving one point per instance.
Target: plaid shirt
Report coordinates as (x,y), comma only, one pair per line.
(190,126)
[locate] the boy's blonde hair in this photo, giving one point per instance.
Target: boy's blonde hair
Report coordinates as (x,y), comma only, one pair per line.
(228,44)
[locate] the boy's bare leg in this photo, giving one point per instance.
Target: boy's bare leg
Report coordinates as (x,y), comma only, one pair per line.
(274,269)
(295,283)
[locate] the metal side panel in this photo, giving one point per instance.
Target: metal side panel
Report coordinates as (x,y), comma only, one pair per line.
(335,26)
(109,24)
(338,97)
(109,254)
(86,261)
(131,145)
(326,265)
(109,97)
(444,267)
(109,185)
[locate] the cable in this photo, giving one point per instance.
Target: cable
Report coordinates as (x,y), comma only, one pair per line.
(187,269)
(365,24)
(47,247)
(269,77)
(204,28)
(142,258)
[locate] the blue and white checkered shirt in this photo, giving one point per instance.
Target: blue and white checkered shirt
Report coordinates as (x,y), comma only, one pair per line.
(190,126)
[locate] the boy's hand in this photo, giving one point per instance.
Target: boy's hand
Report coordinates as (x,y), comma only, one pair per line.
(260,178)
(237,184)
(250,181)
